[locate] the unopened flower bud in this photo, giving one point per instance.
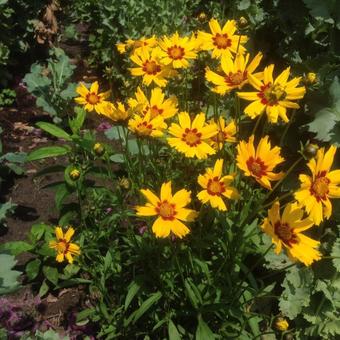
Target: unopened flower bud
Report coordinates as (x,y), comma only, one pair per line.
(281,324)
(202,17)
(310,150)
(74,174)
(242,22)
(311,78)
(124,183)
(99,149)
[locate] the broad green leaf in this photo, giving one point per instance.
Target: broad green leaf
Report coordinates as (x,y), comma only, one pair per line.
(32,269)
(17,247)
(48,151)
(8,277)
(54,130)
(117,158)
(297,290)
(37,231)
(51,274)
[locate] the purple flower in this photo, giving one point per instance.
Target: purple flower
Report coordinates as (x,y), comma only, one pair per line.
(103,126)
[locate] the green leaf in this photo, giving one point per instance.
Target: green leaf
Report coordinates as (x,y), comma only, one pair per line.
(32,269)
(203,332)
(44,288)
(117,158)
(78,121)
(146,305)
(16,157)
(322,124)
(5,209)
(132,291)
(173,332)
(114,133)
(37,231)
(8,277)
(46,106)
(48,151)
(297,290)
(62,192)
(54,130)
(17,247)
(51,274)
(336,254)
(193,293)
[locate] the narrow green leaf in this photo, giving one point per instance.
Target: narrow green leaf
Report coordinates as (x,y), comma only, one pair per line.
(133,290)
(45,152)
(146,305)
(54,130)
(44,288)
(173,332)
(203,332)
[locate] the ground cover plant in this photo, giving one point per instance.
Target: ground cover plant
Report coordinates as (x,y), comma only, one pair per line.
(206,210)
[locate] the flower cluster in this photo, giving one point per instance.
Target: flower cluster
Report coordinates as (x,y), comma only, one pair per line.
(154,113)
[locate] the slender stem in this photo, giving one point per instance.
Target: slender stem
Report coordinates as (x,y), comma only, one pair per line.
(257,124)
(277,199)
(286,128)
(283,178)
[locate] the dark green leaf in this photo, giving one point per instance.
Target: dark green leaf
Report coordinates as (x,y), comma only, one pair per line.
(48,151)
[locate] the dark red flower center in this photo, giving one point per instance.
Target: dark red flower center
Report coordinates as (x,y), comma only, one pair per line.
(256,166)
(221,41)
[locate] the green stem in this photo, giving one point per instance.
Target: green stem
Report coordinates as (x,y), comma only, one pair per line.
(286,128)
(257,124)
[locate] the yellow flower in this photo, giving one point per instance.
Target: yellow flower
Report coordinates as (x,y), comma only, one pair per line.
(136,45)
(222,41)
(216,186)
(150,67)
(145,126)
(191,138)
(157,105)
(63,246)
(169,209)
(285,231)
(226,133)
(91,99)
(273,96)
(281,324)
(177,51)
(235,73)
(260,163)
(116,113)
(316,190)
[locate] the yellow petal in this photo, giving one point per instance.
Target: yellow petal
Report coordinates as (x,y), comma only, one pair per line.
(69,233)
(161,228)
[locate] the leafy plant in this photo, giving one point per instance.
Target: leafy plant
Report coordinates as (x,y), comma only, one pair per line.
(7,97)
(51,84)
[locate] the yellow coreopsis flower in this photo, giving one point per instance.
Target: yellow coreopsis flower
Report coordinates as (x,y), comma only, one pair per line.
(191,137)
(169,210)
(216,187)
(157,105)
(222,41)
(316,190)
(150,67)
(177,51)
(145,126)
(285,231)
(235,73)
(63,245)
(91,99)
(136,45)
(260,163)
(117,113)
(273,96)
(226,133)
